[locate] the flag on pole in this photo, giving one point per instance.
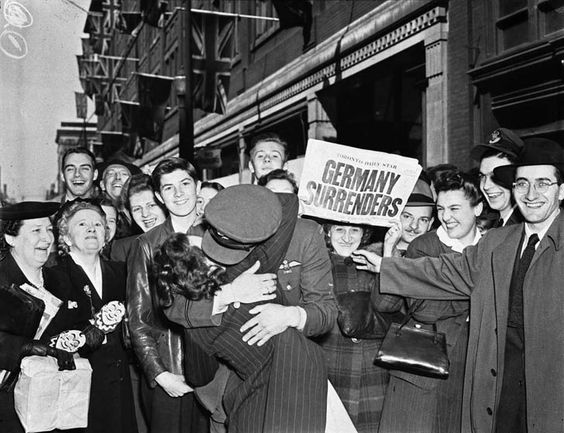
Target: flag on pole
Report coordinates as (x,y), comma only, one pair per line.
(212,52)
(81,105)
(146,122)
(112,15)
(99,34)
(153,89)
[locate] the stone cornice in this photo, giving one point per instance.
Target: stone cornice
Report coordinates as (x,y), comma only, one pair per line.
(358,43)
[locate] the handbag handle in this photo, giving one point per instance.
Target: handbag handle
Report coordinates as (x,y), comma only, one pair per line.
(409,316)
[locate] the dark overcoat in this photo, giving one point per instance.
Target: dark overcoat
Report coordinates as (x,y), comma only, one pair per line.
(11,345)
(360,384)
(483,273)
(111,401)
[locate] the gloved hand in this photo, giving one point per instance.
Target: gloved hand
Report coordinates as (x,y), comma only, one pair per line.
(65,360)
(94,339)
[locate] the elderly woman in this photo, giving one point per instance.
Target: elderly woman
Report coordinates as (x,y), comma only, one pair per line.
(360,384)
(95,282)
(26,236)
(147,212)
(420,404)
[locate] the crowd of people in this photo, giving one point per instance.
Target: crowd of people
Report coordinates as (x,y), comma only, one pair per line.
(233,297)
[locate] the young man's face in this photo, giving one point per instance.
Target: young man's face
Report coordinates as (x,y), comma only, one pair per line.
(178,193)
(415,220)
(79,174)
(265,157)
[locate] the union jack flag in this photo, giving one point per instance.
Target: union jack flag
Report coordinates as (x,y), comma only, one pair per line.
(112,15)
(100,35)
(212,50)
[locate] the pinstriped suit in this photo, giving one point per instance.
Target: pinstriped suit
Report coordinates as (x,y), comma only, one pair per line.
(284,384)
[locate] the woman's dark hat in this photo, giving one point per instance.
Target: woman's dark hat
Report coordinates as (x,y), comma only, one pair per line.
(101,167)
(537,151)
(27,210)
(421,195)
(239,217)
(502,140)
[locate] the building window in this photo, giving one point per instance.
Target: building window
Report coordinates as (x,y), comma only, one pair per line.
(522,21)
(234,7)
(553,14)
(264,28)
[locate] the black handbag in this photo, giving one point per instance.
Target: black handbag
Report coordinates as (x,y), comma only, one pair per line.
(20,314)
(356,317)
(414,350)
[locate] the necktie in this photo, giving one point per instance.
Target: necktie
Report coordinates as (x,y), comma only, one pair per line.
(516,290)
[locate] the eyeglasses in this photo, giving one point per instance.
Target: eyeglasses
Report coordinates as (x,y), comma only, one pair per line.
(541,186)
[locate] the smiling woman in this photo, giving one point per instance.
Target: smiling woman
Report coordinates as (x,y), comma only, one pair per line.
(93,282)
(139,199)
(26,236)
(359,383)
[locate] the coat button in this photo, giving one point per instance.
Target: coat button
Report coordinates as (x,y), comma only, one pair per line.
(494,373)
(489,410)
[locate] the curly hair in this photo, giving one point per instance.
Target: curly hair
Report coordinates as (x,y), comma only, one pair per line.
(8,227)
(181,268)
(66,212)
(279,174)
(455,180)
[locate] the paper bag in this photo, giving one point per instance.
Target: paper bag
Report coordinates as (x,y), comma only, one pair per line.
(46,398)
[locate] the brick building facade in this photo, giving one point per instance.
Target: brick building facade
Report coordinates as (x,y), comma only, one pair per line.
(427,79)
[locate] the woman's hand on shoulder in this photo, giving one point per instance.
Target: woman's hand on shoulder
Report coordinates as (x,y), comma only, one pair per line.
(367,260)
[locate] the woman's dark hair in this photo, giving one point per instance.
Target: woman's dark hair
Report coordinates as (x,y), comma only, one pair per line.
(434,172)
(213,185)
(279,174)
(492,152)
(8,227)
(136,184)
(181,268)
(455,180)
(105,201)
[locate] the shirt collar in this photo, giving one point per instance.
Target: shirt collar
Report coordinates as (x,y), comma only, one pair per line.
(455,244)
(529,231)
(96,277)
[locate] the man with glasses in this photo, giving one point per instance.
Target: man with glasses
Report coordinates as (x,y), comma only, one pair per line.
(514,380)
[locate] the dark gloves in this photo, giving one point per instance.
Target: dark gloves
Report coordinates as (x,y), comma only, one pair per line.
(65,360)
(94,339)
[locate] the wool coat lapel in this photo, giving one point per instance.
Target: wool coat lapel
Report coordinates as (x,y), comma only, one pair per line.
(503,260)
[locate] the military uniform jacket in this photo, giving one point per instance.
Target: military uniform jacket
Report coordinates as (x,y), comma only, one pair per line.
(306,280)
(483,273)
